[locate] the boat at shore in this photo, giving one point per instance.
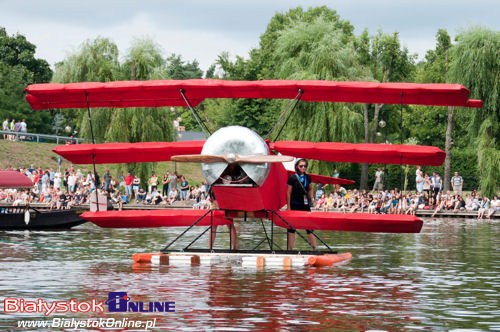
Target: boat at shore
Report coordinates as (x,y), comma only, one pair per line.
(30,218)
(26,217)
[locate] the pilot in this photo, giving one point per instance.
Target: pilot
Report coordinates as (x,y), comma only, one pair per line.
(234,174)
(299,196)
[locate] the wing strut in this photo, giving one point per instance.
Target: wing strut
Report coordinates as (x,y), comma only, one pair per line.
(288,110)
(203,126)
(93,155)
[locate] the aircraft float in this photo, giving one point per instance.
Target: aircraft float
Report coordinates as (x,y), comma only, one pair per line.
(245,171)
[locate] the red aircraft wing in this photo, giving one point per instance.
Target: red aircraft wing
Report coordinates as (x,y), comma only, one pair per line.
(354,222)
(167,93)
(362,153)
(108,153)
(154,218)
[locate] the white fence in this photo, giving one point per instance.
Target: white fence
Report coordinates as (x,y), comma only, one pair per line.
(32,137)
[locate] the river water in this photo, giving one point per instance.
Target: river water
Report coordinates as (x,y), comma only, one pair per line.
(445,278)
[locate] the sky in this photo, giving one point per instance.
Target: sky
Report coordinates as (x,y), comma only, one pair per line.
(202,30)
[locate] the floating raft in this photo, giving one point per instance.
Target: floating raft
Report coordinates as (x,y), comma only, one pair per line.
(286,261)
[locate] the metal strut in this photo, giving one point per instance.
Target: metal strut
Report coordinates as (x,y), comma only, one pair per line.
(185,231)
(93,155)
(270,241)
(202,125)
(401,142)
(293,228)
(288,111)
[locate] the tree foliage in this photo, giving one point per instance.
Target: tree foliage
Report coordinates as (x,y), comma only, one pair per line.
(297,44)
(476,64)
(98,60)
(18,69)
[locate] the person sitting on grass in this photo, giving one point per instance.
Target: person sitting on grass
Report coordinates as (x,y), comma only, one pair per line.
(412,210)
(440,206)
(355,205)
(141,196)
(494,207)
(123,200)
(484,206)
(155,196)
(172,196)
(320,202)
(372,207)
(459,204)
(344,205)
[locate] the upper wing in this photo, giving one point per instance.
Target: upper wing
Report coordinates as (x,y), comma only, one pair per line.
(362,153)
(167,93)
(108,153)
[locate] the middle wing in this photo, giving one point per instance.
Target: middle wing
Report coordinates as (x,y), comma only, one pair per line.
(109,153)
(362,153)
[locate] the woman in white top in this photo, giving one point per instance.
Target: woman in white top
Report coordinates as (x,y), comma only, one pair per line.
(494,206)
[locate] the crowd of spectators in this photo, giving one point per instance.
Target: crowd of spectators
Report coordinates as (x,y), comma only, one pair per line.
(396,202)
(14,126)
(428,195)
(65,189)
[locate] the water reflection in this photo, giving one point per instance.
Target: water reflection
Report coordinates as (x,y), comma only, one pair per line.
(444,278)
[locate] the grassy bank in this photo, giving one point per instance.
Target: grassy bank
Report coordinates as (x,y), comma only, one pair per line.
(24,154)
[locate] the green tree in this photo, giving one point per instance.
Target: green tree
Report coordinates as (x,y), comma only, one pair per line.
(180,70)
(264,62)
(320,50)
(476,64)
(388,62)
(18,69)
(95,61)
(435,70)
(17,50)
(144,61)
(177,69)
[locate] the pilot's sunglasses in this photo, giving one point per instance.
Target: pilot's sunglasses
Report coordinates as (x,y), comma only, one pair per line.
(302,166)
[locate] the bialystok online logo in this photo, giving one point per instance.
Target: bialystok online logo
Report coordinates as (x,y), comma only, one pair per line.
(117,302)
(121,302)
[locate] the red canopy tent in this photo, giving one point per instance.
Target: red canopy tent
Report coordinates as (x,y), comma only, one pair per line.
(13,179)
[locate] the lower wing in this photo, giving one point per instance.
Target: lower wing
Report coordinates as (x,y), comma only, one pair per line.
(155,218)
(354,222)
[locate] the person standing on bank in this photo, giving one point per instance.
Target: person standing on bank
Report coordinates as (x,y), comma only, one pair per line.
(299,196)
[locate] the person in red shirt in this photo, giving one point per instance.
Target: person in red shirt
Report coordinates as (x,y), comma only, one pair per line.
(37,181)
(128,185)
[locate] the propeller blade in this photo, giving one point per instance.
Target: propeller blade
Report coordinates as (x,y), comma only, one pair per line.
(199,158)
(231,159)
(261,159)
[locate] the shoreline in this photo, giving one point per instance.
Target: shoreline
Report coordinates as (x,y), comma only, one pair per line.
(189,205)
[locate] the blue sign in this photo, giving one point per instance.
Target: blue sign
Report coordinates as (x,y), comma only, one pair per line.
(121,302)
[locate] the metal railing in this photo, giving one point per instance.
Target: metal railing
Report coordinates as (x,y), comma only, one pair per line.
(40,138)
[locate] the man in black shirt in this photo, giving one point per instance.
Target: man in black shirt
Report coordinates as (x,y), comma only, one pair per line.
(299,196)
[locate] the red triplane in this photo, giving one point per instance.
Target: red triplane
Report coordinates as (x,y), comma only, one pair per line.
(245,171)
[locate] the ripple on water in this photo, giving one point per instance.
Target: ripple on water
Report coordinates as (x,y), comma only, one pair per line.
(444,278)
